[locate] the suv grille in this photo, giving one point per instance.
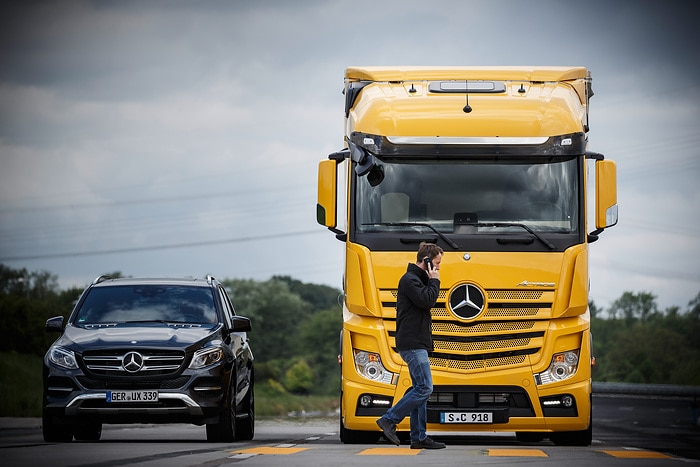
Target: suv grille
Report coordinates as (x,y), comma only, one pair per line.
(133,362)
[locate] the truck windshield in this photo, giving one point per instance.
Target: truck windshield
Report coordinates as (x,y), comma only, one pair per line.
(471,197)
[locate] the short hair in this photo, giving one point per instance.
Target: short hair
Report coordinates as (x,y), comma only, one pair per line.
(430,250)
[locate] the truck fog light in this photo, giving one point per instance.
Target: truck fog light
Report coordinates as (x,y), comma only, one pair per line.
(567,401)
(374,400)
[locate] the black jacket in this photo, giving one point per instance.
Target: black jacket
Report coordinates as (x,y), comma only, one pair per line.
(416,295)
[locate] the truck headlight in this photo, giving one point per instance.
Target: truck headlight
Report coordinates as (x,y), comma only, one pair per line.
(563,366)
(206,357)
(369,365)
(62,357)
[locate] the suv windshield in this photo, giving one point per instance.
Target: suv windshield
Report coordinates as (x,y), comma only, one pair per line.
(475,196)
(167,303)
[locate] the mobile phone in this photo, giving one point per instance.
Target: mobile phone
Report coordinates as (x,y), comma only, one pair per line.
(428,263)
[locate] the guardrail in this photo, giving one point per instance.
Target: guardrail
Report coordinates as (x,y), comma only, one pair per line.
(656,390)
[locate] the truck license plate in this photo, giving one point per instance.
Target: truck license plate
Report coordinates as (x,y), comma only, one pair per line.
(132,396)
(466,417)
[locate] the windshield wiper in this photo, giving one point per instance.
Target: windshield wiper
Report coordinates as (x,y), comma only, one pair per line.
(418,224)
(163,321)
(515,224)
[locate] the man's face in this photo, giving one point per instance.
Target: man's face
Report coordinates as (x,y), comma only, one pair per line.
(436,261)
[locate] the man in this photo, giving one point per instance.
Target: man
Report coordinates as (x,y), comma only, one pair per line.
(418,290)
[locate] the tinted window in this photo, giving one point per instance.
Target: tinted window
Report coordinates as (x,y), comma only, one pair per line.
(171,303)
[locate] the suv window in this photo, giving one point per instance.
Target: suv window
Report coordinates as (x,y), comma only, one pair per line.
(227,308)
(171,303)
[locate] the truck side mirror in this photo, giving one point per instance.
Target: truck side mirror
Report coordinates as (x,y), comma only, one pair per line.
(606,193)
(327,193)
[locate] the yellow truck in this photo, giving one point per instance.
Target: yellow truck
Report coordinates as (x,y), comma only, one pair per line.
(492,165)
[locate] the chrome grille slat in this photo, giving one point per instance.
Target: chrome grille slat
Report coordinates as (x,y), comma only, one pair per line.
(110,362)
(517,325)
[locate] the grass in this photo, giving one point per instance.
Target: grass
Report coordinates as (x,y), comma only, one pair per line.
(21,388)
(20,385)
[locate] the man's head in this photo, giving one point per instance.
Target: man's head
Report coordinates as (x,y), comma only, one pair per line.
(431,251)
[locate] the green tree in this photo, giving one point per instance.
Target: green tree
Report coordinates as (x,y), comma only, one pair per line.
(299,378)
(320,338)
(630,306)
(275,313)
(320,297)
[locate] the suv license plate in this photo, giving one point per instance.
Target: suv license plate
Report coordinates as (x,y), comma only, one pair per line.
(132,396)
(466,417)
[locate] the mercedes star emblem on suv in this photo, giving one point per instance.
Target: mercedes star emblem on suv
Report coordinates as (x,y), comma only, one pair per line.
(132,362)
(466,301)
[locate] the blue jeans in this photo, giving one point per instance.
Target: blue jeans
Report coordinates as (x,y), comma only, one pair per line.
(414,403)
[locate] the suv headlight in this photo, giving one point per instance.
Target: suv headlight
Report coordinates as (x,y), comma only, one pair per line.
(63,358)
(206,357)
(563,366)
(369,365)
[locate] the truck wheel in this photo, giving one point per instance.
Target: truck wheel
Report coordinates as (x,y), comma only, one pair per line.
(573,438)
(529,437)
(348,436)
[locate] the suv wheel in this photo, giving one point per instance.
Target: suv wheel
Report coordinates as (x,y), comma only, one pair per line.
(224,430)
(88,431)
(245,427)
(55,433)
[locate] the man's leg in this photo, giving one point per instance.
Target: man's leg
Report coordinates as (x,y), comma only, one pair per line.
(419,369)
(422,380)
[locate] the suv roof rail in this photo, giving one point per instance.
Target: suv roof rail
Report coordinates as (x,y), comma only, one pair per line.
(210,279)
(102,278)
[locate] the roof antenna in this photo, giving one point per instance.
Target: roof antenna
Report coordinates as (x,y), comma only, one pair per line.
(467,108)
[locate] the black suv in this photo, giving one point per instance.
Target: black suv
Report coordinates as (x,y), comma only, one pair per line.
(149,351)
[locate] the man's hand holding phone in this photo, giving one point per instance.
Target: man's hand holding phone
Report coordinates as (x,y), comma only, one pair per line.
(432,271)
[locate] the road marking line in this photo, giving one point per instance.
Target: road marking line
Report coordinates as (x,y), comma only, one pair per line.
(636,454)
(270,450)
(397,451)
(516,453)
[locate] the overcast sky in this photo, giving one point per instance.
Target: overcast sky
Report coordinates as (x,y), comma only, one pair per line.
(181,138)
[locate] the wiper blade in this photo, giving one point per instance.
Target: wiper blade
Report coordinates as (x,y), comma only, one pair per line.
(147,321)
(418,224)
(516,224)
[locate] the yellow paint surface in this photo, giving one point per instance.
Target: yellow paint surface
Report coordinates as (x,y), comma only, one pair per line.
(389,452)
(516,453)
(634,454)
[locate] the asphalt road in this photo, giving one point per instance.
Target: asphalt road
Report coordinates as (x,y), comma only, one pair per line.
(628,431)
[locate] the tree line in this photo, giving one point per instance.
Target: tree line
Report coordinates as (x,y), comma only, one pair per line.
(296,326)
(636,342)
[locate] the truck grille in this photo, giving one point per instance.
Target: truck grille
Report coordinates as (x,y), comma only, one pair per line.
(511,328)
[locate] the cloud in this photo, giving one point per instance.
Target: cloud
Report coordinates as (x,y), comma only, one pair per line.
(184,139)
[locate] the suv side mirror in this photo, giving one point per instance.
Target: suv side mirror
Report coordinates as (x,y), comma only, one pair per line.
(54,324)
(241,324)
